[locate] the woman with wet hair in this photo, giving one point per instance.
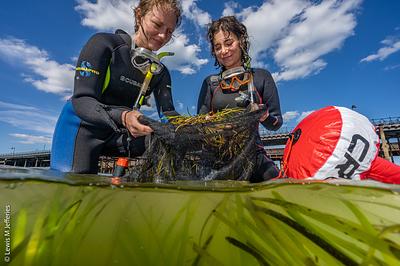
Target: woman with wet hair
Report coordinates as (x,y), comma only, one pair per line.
(239,85)
(99,118)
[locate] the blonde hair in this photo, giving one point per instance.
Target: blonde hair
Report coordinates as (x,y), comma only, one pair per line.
(145,6)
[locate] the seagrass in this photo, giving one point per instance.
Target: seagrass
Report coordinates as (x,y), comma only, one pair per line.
(220,146)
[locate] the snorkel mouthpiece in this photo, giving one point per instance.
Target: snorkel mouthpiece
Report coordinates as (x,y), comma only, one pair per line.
(146,60)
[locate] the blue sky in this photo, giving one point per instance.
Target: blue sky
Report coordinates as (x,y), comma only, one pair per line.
(320,53)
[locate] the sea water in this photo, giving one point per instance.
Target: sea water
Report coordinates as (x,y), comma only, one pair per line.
(52,219)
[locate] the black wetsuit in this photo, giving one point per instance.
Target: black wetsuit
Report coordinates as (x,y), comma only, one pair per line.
(106,84)
(213,98)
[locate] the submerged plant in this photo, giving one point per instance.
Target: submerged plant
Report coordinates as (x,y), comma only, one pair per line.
(275,231)
(270,224)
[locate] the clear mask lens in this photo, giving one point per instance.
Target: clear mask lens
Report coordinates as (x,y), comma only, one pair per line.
(145,60)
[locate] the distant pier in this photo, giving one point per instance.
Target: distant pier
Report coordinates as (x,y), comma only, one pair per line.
(26,159)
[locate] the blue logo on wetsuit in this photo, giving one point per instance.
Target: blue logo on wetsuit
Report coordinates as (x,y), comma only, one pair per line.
(86,70)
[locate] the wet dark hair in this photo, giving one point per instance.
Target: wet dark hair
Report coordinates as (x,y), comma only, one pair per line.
(145,6)
(230,24)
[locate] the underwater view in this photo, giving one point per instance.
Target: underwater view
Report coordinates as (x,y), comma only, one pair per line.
(48,219)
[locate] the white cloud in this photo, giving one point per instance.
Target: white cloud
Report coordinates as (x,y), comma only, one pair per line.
(229,8)
(390,46)
(193,12)
(28,118)
(319,30)
(13,106)
(289,116)
(392,67)
(34,120)
(180,105)
(31,139)
(294,116)
(106,15)
(186,59)
(301,71)
(296,33)
(49,76)
(303,115)
(267,23)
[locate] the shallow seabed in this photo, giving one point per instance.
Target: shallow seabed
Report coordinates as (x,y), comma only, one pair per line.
(47,218)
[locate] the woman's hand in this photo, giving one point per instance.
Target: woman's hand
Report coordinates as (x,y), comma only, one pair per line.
(131,122)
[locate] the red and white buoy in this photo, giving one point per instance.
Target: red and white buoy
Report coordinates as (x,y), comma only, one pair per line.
(340,143)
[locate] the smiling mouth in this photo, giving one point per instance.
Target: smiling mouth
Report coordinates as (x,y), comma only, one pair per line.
(158,42)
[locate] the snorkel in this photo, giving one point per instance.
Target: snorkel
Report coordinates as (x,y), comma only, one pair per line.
(252,90)
(149,64)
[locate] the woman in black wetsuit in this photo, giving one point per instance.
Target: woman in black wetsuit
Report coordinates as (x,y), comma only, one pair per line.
(108,78)
(233,86)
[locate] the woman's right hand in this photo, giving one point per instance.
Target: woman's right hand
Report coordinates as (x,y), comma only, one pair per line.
(131,121)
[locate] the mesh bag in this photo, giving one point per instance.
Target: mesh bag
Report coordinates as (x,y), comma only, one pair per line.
(202,147)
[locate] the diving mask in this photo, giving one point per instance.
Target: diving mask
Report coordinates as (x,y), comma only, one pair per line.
(232,79)
(145,60)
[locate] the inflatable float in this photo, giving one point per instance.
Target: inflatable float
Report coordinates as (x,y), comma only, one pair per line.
(336,142)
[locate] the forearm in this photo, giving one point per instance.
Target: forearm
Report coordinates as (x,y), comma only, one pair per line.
(271,99)
(100,115)
(272,122)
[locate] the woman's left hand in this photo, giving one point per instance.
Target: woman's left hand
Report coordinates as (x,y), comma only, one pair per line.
(131,121)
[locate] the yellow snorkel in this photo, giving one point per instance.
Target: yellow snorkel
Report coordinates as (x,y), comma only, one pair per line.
(154,67)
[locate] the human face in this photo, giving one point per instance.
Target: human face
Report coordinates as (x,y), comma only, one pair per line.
(155,28)
(227,49)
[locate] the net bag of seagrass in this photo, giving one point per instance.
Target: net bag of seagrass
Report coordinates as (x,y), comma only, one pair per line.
(202,147)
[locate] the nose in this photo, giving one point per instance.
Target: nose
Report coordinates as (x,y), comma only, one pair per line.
(224,49)
(165,35)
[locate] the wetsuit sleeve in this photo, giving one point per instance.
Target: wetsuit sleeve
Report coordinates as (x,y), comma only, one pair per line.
(89,79)
(271,98)
(204,100)
(163,96)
